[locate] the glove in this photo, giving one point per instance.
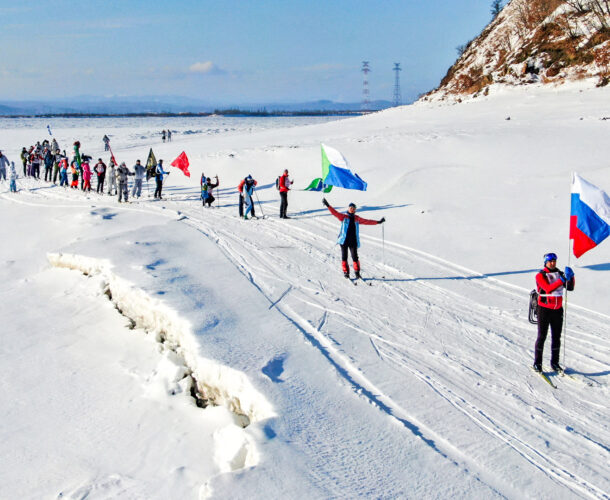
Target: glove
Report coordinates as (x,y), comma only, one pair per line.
(569,273)
(381,221)
(324,202)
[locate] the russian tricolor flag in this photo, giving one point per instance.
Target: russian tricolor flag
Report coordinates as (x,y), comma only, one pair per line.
(589,216)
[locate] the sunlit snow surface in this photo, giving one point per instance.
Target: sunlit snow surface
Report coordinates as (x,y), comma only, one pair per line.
(418,386)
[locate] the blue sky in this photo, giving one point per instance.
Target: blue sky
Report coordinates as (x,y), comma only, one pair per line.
(230,52)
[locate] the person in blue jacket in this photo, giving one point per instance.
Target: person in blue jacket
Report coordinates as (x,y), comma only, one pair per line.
(248,191)
(349,237)
(159,173)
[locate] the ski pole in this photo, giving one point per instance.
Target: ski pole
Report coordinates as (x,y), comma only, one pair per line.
(383,245)
(259,204)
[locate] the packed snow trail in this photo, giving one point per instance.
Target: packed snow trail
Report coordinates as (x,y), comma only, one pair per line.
(429,338)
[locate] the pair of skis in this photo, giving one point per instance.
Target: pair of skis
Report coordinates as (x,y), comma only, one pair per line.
(561,373)
(355,281)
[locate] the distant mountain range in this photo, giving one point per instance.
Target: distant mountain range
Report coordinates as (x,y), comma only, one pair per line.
(166,104)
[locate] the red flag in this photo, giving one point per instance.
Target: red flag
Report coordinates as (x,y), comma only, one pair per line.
(182,162)
(112,155)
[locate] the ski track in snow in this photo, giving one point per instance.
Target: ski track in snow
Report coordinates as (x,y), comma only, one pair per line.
(437,330)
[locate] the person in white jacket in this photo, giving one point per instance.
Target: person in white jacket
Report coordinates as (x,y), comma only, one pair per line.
(139,170)
(12,175)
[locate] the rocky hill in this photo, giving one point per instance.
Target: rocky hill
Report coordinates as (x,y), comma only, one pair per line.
(533,41)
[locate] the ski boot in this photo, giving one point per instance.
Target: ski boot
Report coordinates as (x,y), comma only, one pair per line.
(556,368)
(346,275)
(358,275)
(537,367)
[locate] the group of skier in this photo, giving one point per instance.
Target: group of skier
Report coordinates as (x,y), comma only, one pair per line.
(551,282)
(58,166)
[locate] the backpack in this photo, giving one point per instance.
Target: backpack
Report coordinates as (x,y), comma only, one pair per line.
(277,183)
(533,309)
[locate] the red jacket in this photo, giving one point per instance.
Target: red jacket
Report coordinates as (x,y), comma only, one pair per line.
(358,219)
(550,288)
(285,183)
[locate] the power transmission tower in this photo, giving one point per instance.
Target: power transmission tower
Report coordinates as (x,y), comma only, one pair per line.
(397,95)
(366,103)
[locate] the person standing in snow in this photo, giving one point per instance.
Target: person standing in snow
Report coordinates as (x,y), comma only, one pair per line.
(63,171)
(209,198)
(12,177)
(248,190)
(284,186)
(139,171)
(349,238)
(106,141)
(24,159)
(35,167)
(240,189)
(86,169)
(122,175)
(169,135)
(159,173)
(4,163)
(550,284)
(48,165)
(163,135)
(74,172)
(100,172)
(56,160)
(111,177)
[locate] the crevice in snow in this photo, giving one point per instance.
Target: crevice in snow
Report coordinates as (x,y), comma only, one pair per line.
(210,382)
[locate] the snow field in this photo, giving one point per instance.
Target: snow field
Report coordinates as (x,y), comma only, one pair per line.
(416,386)
(219,384)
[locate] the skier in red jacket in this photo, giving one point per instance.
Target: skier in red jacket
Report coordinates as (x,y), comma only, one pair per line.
(284,186)
(349,238)
(550,283)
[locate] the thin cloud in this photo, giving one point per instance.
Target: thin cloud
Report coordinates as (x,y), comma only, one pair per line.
(205,68)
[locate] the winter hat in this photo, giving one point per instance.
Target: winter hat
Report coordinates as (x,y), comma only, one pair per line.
(352,205)
(249,177)
(549,256)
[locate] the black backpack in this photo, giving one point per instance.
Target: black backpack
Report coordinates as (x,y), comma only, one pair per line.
(277,183)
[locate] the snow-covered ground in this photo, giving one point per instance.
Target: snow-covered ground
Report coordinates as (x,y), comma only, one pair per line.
(121,321)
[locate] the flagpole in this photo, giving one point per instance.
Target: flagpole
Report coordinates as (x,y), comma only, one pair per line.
(565,310)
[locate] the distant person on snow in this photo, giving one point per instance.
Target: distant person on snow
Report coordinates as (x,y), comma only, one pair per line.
(550,284)
(111,177)
(63,171)
(163,135)
(248,190)
(86,175)
(206,191)
(48,165)
(100,172)
(349,237)
(159,173)
(122,175)
(169,135)
(139,171)
(106,141)
(284,185)
(56,161)
(4,163)
(24,159)
(74,172)
(240,189)
(12,176)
